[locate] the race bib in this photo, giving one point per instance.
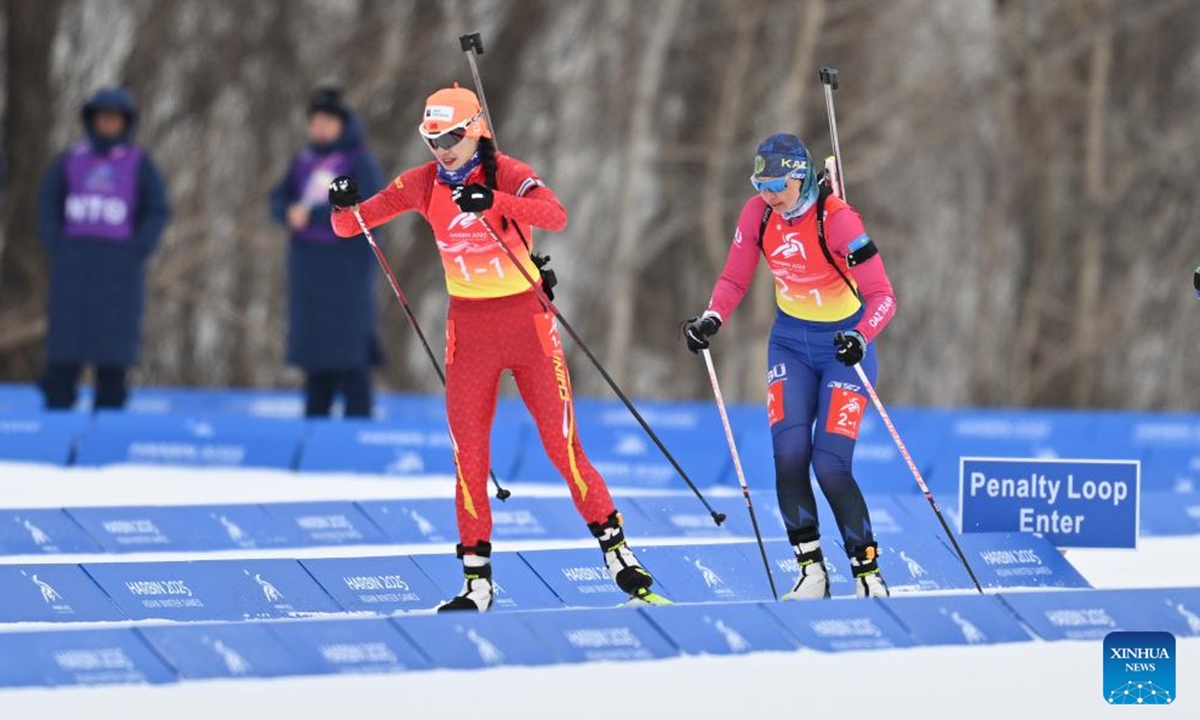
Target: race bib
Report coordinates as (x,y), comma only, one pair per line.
(846,409)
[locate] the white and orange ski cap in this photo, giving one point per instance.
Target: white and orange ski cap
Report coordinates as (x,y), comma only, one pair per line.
(454,108)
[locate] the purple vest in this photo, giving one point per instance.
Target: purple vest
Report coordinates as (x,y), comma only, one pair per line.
(310,178)
(102,192)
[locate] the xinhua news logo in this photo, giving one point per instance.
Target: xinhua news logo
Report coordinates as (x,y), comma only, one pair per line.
(1139,668)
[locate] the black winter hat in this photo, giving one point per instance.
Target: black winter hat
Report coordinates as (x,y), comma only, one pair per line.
(328,99)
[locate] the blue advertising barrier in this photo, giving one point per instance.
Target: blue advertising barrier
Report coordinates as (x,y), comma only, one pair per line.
(1043,432)
(1014,560)
(204,441)
(1092,614)
(134,529)
(626,456)
(349,646)
(410,407)
(414,448)
(684,516)
(173,401)
(203,651)
(841,625)
(466,641)
(708,573)
(184,528)
(20,399)
(952,434)
(272,588)
(41,437)
(520,518)
(730,629)
(52,593)
(957,619)
(921,562)
(1168,513)
(42,531)
(255,403)
(517,586)
(326,523)
(212,589)
(1183,607)
(1073,503)
(918,507)
(365,446)
(1147,430)
(670,415)
(375,584)
(81,657)
(578,577)
(600,635)
(230,527)
(409,522)
(1172,470)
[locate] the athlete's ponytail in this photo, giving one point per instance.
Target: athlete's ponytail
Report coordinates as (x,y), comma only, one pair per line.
(487,160)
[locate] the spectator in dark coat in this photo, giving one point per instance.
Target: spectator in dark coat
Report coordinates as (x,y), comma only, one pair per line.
(331,281)
(102,209)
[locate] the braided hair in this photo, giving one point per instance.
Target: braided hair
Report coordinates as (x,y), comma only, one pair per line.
(487,160)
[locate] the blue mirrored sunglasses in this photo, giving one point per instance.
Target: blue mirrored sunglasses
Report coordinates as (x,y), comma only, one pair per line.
(777,185)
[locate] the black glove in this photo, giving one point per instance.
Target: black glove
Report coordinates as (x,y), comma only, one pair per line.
(699,329)
(549,277)
(473,198)
(343,192)
(851,346)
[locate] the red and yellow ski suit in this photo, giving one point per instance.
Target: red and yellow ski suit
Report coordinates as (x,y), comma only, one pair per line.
(496,323)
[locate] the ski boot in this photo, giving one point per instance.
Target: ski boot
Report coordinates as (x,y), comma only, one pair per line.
(813,581)
(868,582)
(623,565)
(478,589)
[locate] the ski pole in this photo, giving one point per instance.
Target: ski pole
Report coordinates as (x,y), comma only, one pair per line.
(472,45)
(717,517)
(829,78)
(501,492)
(737,465)
(916,473)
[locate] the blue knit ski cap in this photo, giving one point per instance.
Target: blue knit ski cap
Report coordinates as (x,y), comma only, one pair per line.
(782,155)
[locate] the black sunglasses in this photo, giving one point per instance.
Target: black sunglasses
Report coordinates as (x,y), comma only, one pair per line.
(446,141)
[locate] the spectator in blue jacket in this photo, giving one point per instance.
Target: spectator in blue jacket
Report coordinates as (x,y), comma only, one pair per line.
(102,209)
(331,281)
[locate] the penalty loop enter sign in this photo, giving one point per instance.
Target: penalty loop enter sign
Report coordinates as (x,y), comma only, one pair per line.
(1073,503)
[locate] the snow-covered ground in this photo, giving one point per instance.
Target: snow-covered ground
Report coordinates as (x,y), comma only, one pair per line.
(1061,679)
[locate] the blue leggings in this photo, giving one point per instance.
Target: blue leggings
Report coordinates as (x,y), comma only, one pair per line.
(816,405)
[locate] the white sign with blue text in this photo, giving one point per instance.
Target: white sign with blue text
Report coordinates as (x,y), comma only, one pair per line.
(1073,503)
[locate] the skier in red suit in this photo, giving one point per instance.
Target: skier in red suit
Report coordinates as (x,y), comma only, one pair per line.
(496,323)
